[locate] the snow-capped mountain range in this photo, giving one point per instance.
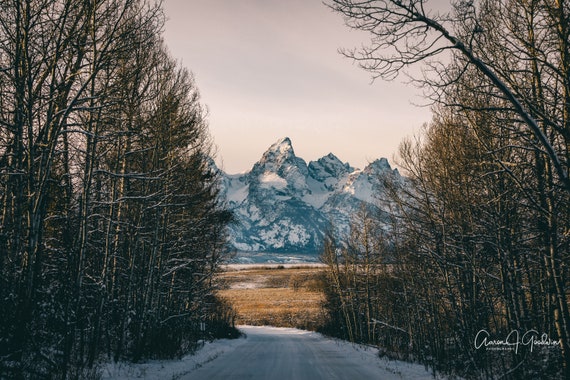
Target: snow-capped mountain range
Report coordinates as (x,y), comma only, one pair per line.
(285,205)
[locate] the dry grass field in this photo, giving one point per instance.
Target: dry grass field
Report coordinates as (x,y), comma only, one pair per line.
(276,296)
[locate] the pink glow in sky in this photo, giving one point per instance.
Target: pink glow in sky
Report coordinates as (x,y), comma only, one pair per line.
(267,69)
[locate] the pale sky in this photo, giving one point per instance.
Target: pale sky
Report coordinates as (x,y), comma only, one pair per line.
(268,69)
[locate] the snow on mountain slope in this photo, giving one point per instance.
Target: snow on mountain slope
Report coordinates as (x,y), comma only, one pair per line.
(285,205)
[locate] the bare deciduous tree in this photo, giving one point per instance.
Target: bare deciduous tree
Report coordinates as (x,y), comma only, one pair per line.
(483,225)
(110,224)
(407,32)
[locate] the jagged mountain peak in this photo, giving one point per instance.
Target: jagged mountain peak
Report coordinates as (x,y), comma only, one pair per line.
(378,166)
(285,205)
(329,166)
(282,149)
(330,160)
(283,144)
(280,159)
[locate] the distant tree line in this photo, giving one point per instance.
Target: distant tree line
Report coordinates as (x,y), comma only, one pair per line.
(479,245)
(110,223)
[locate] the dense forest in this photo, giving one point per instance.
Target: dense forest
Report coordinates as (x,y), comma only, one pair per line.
(472,276)
(110,224)
(112,229)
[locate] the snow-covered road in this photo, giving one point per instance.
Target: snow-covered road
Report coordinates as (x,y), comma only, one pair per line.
(281,353)
(272,353)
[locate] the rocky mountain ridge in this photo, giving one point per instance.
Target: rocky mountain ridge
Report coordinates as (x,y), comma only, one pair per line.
(285,205)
